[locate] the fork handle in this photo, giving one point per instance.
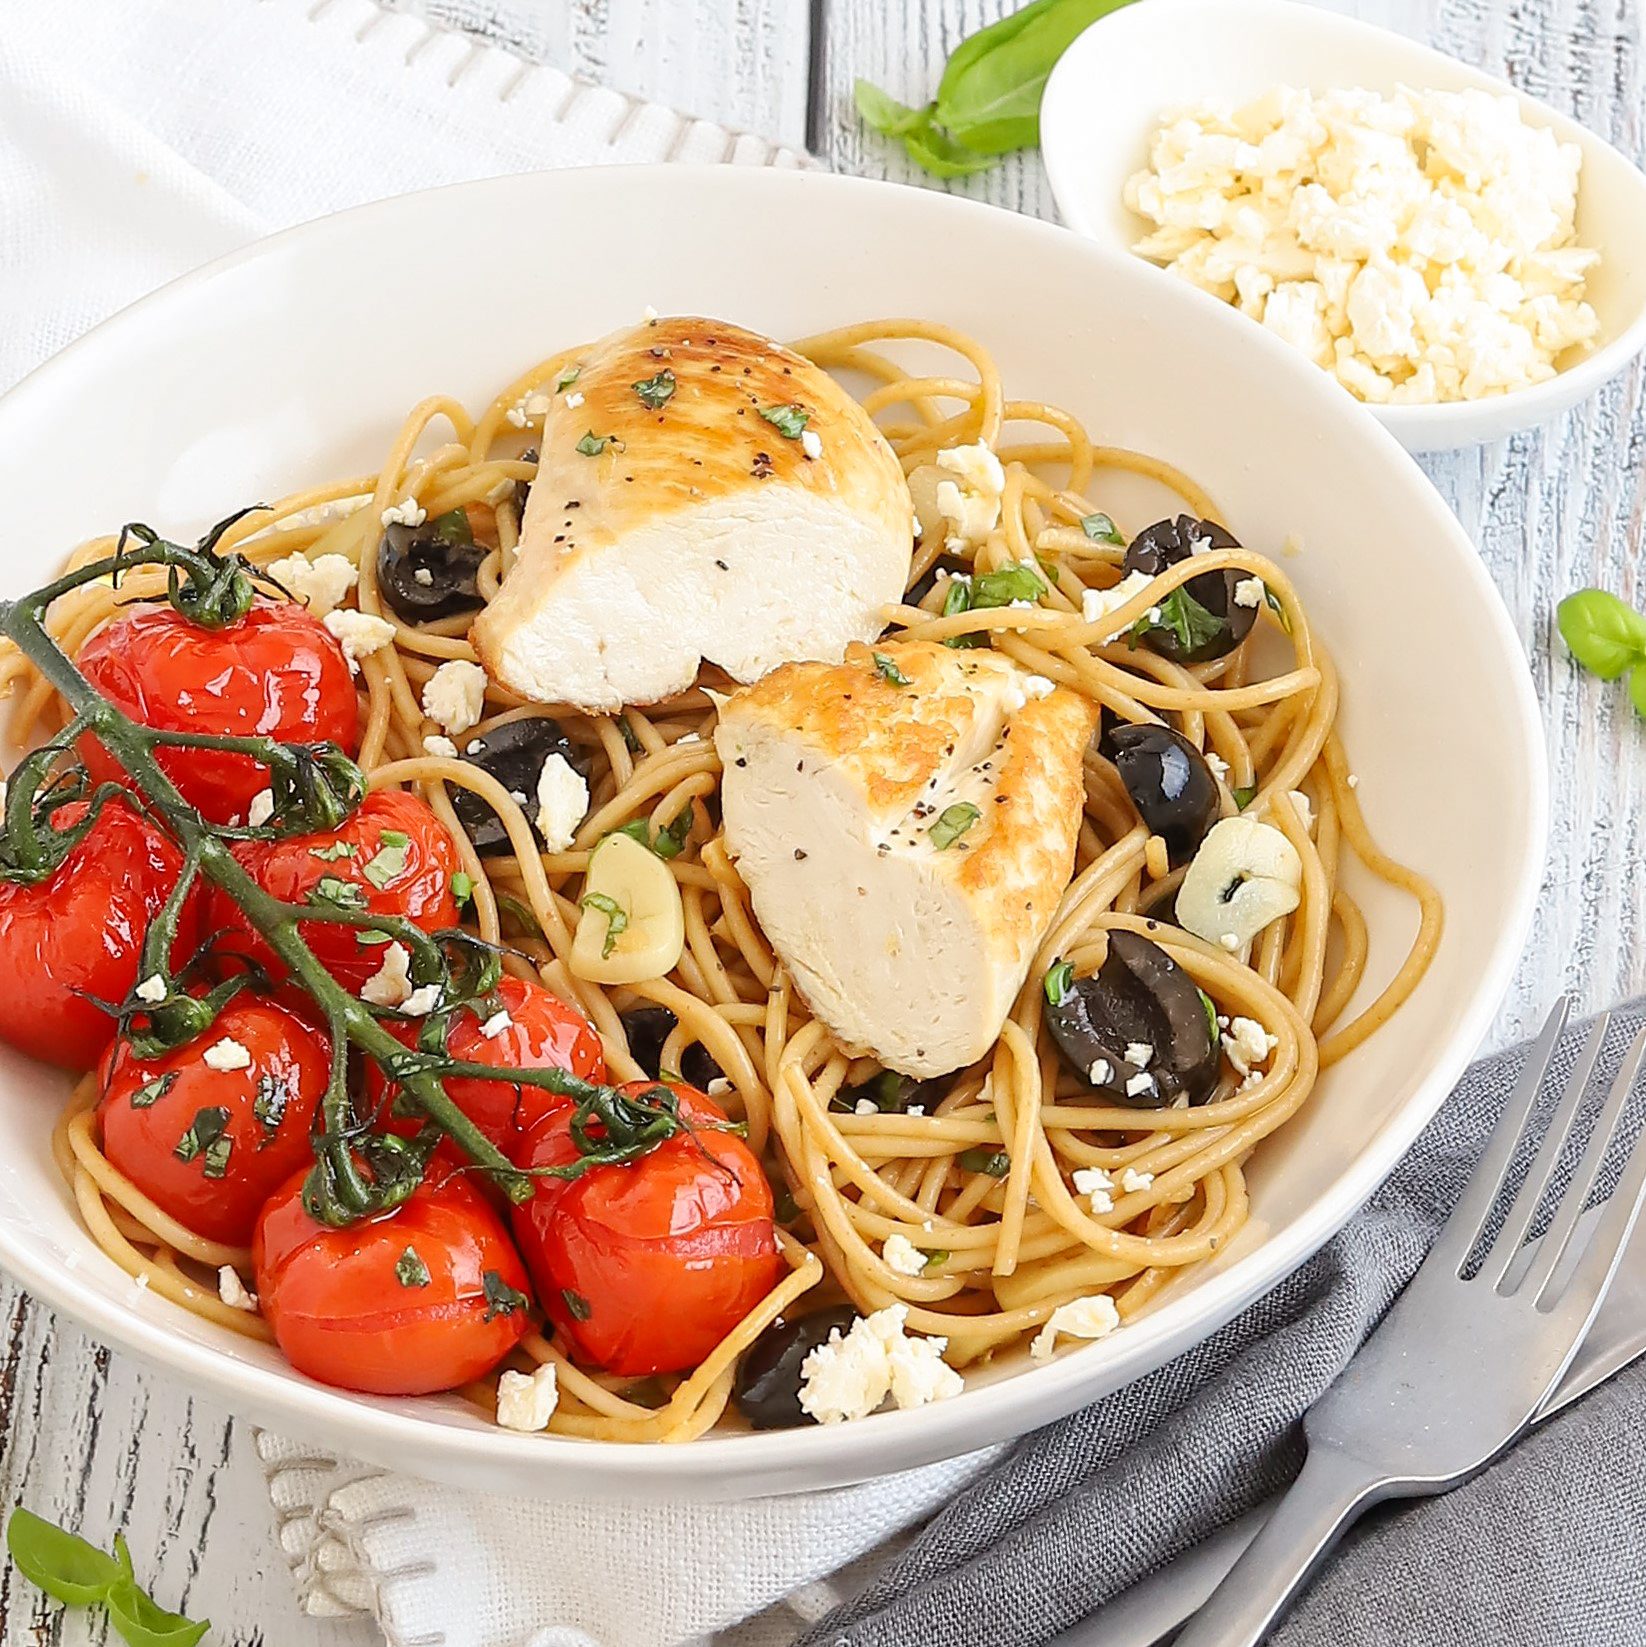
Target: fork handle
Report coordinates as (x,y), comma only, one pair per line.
(1331,1492)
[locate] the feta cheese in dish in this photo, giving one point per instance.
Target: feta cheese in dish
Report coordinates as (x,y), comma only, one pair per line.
(407,512)
(1421,246)
(358,633)
(151,989)
(1094,1317)
(390,984)
(905,846)
(261,808)
(233,1291)
(320,584)
(455,695)
(971,485)
(661,532)
(851,1375)
(1246,1044)
(226,1054)
(562,802)
(526,1401)
(902,1255)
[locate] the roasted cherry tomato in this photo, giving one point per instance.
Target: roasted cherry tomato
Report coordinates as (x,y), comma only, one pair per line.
(212,1128)
(426,1298)
(543,1032)
(277,673)
(645,1266)
(392,857)
(79,933)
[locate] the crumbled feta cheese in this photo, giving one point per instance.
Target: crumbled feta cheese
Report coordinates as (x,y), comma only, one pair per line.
(1230,941)
(902,1255)
(1249,592)
(1353,781)
(152,989)
(866,1106)
(225,1055)
(232,1290)
(1421,246)
(575,400)
(526,1401)
(441,748)
(1094,1317)
(1219,766)
(422,575)
(359,633)
(970,502)
(1100,1072)
(1131,1180)
(562,802)
(422,1000)
(407,512)
(496,1024)
(1305,810)
(851,1375)
(454,696)
(719,1086)
(1247,1043)
(1037,687)
(1138,1054)
(320,583)
(391,983)
(261,808)
(1097,604)
(649,315)
(1097,1185)
(1141,1085)
(811,443)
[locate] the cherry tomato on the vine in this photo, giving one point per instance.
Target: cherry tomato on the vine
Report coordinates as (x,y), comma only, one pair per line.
(645,1266)
(425,1298)
(79,934)
(209,1130)
(393,856)
(278,673)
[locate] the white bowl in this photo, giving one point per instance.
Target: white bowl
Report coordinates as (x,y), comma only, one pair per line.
(294,360)
(1109,90)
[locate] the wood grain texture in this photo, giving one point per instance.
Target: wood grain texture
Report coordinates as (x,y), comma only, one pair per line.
(96,1441)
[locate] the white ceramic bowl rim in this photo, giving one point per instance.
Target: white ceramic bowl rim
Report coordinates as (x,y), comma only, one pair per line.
(740,1464)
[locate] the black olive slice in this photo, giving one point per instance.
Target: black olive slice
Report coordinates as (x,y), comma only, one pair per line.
(892,1094)
(1209,624)
(1169,782)
(430,571)
(647,1028)
(514,754)
(767,1390)
(1139,998)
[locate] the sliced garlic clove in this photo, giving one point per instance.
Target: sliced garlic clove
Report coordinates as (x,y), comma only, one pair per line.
(631,926)
(1245,875)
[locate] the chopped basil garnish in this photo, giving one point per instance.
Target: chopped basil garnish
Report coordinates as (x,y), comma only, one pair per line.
(151,1092)
(216,1157)
(1244,795)
(274,1093)
(592,445)
(996,1162)
(958,598)
(520,914)
(1278,608)
(453,527)
(1211,1014)
(952,823)
(785,1209)
(501,1298)
(566,379)
(338,894)
(330,854)
(935,1256)
(1059,975)
(617,918)
(1100,529)
(205,1131)
(1181,613)
(1019,582)
(578,1306)
(889,670)
(389,860)
(789,421)
(372,938)
(631,738)
(411,1271)
(462,886)
(668,842)
(655,391)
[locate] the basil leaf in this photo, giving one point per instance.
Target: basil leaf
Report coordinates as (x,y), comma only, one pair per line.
(338,894)
(1100,529)
(884,113)
(62,1564)
(655,391)
(617,917)
(1019,582)
(996,1162)
(143,1623)
(952,823)
(462,886)
(789,421)
(668,842)
(1185,617)
(935,1256)
(388,862)
(576,1304)
(330,854)
(1210,1008)
(1604,634)
(501,1298)
(410,1270)
(1637,689)
(1244,795)
(1277,606)
(592,445)
(936,151)
(453,527)
(889,671)
(151,1092)
(520,914)
(566,379)
(205,1130)
(1059,977)
(631,738)
(959,599)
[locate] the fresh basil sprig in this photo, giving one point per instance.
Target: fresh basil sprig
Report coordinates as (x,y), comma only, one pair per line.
(988,101)
(1608,637)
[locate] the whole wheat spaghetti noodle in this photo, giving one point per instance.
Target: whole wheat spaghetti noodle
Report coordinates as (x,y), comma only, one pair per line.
(983,1183)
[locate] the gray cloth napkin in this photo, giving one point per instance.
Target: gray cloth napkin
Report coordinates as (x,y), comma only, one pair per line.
(1549,1546)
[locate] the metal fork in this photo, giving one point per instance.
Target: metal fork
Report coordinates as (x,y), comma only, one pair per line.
(1458,1367)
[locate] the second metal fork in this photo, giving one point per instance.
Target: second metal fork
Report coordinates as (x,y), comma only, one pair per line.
(1461,1363)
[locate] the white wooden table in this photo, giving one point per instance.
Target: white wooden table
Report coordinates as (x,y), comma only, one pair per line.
(1551,511)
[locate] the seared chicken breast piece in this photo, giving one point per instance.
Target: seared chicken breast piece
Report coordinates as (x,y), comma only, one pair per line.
(905,822)
(703,493)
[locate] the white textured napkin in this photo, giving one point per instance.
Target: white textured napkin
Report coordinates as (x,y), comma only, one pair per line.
(139,138)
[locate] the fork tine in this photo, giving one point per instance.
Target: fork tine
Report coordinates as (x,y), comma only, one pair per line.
(1559,1233)
(1468,1219)
(1518,1224)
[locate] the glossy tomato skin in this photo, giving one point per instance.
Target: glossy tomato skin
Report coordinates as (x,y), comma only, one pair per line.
(278,673)
(544,1032)
(343,1313)
(645,1267)
(420,890)
(143,1128)
(81,930)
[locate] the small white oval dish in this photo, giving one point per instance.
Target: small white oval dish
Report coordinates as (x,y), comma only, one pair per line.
(1110,88)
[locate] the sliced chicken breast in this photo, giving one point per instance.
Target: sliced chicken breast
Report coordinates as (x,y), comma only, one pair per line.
(905,822)
(702,493)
